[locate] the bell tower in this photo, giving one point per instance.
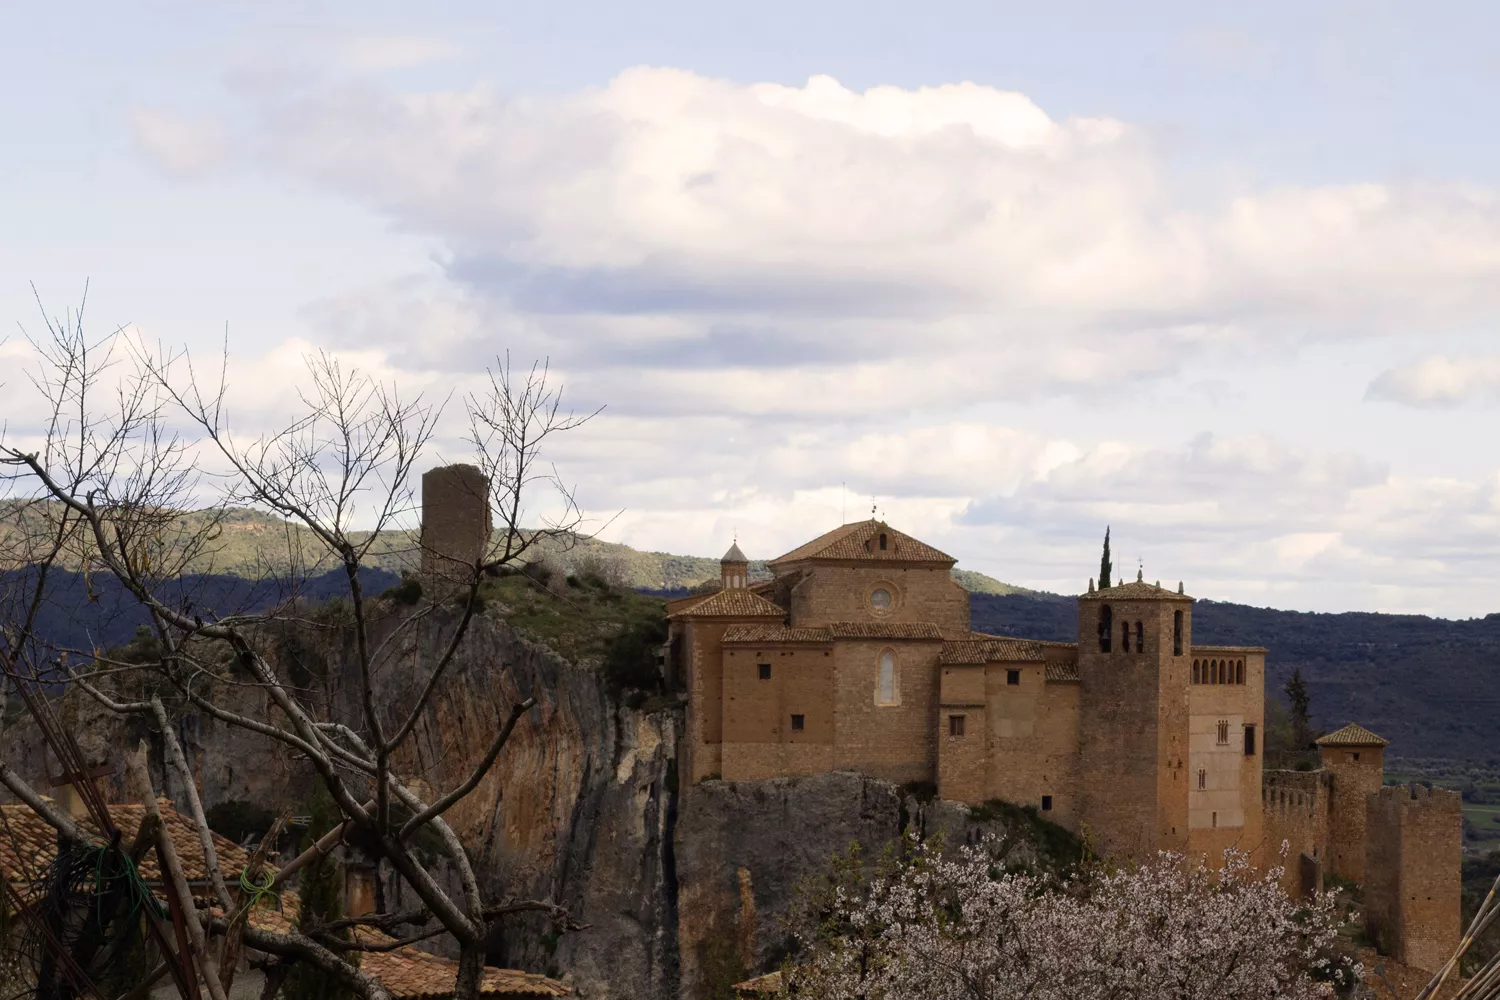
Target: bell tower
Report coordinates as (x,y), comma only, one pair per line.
(734,568)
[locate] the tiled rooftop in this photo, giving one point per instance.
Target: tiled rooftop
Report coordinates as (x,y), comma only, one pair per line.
(732,603)
(775,633)
(991,649)
(1352,735)
(1057,672)
(859,541)
(28,844)
(1136,590)
(884,630)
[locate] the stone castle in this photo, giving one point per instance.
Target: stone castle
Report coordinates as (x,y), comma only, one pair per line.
(857,655)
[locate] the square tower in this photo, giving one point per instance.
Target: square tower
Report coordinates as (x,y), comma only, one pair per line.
(1134,644)
(1355,759)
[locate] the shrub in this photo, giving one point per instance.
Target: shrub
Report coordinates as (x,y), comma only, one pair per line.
(631,662)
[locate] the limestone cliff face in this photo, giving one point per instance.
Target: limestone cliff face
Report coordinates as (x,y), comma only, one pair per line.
(743,848)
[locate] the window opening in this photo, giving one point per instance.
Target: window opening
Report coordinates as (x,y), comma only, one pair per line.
(1202,778)
(1046,803)
(955,725)
(1013,677)
(880,599)
(882,541)
(1140,637)
(887,677)
(1195,672)
(1216,820)
(1124,637)
(1249,741)
(1106,628)
(1239,671)
(1356,755)
(1223,732)
(1177,633)
(797,723)
(765,671)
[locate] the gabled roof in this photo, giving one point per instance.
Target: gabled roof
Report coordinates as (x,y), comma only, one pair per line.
(1135,591)
(1352,735)
(859,541)
(732,603)
(983,648)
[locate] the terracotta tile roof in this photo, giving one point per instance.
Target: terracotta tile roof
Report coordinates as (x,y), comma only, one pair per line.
(775,633)
(412,974)
(769,983)
(1057,672)
(983,648)
(1135,591)
(857,541)
(732,603)
(28,844)
(1207,650)
(884,630)
(1352,735)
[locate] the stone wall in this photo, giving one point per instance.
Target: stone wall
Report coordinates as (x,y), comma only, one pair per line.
(1295,806)
(759,735)
(1412,884)
(1358,772)
(897,742)
(831,593)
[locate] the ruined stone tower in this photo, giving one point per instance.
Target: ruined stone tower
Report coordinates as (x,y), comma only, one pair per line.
(455,521)
(1412,885)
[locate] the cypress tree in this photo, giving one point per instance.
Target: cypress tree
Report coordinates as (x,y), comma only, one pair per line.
(1301,704)
(1104,564)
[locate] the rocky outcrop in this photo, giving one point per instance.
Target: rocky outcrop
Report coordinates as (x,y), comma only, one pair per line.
(743,849)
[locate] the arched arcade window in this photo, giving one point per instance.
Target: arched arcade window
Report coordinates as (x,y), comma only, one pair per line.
(1106,628)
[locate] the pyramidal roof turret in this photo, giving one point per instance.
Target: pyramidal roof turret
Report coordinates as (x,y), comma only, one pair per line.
(734,555)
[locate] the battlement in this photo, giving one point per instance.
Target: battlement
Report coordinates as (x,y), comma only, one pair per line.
(1412,858)
(1296,792)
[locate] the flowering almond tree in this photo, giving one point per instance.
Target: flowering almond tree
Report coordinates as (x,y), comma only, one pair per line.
(938,928)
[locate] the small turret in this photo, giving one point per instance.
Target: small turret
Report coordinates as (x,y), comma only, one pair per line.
(734,568)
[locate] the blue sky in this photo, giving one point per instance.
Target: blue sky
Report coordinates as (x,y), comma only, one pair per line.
(1222,276)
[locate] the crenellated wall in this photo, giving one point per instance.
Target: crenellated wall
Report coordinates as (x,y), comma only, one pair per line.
(1412,883)
(1295,807)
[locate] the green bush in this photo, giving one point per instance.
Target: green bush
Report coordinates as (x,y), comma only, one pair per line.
(630,664)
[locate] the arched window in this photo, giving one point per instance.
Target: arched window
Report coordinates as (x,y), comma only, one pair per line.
(1211,671)
(882,541)
(886,693)
(1140,637)
(1195,671)
(1239,671)
(1124,637)
(1106,628)
(1177,633)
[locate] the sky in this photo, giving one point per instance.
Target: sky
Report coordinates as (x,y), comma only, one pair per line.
(1224,278)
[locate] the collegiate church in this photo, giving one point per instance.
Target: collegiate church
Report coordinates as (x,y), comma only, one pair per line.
(857,655)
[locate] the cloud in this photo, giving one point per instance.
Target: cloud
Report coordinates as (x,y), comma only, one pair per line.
(184,148)
(379,53)
(1437,381)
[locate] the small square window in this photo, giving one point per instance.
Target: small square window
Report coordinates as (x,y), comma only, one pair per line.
(765,671)
(1046,803)
(797,723)
(1013,677)
(955,725)
(1356,755)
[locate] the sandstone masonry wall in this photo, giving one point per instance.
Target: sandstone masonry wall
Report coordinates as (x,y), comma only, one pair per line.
(1412,884)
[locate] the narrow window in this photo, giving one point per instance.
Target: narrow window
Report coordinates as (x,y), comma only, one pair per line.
(955,725)
(765,671)
(1223,732)
(1106,628)
(797,723)
(1195,671)
(1219,670)
(1356,755)
(887,677)
(1124,637)
(882,542)
(1177,633)
(1216,820)
(1202,778)
(1046,803)
(1013,677)
(1140,637)
(1249,741)
(1239,671)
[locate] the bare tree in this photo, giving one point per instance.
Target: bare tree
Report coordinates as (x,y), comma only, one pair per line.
(132,439)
